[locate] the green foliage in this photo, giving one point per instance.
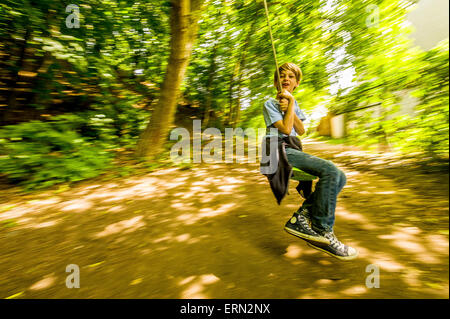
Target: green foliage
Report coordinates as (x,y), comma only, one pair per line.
(117,124)
(40,154)
(9,223)
(428,130)
(424,131)
(106,75)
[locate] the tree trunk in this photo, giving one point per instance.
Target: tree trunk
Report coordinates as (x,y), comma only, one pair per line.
(183,23)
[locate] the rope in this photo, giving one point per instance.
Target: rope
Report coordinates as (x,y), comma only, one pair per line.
(273,46)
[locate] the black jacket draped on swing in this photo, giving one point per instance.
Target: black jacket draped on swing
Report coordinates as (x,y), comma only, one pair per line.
(279,178)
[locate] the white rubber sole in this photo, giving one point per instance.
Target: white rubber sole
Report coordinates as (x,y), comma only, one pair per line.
(319,240)
(347,258)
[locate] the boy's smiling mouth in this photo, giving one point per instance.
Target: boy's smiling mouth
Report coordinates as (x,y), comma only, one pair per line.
(286,86)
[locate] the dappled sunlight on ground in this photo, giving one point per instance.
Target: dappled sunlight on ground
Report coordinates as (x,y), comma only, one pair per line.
(215,231)
(193,286)
(355,217)
(192,218)
(46,224)
(76,205)
(43,283)
(124,226)
(293,251)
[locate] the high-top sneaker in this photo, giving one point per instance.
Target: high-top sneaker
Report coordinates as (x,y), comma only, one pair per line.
(299,226)
(335,248)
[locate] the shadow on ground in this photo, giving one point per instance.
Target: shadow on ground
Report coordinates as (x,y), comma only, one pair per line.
(215,231)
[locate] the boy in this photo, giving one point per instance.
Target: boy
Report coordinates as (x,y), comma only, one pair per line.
(314,220)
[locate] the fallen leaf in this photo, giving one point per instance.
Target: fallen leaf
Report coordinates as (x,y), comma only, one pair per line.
(6,208)
(433,285)
(61,189)
(9,223)
(96,264)
(136,281)
(15,295)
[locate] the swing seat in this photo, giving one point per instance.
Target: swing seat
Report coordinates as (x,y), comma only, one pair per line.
(300,175)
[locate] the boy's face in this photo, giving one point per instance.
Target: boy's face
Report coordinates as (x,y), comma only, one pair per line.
(288,80)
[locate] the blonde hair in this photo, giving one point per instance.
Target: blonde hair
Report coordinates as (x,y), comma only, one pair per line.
(291,67)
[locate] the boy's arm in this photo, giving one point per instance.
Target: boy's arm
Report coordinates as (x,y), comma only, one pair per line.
(285,125)
(298,125)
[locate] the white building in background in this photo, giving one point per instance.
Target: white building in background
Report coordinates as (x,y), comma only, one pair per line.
(430,23)
(430,20)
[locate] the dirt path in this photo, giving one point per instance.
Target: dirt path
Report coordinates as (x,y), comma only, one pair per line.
(215,231)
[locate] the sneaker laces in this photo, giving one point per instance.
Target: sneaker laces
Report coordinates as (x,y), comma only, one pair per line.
(304,212)
(334,242)
(305,221)
(306,218)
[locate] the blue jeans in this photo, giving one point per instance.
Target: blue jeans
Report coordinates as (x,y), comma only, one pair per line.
(322,202)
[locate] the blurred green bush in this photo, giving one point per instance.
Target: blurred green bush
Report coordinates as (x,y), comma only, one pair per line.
(424,131)
(39,154)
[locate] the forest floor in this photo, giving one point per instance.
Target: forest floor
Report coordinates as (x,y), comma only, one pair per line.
(215,231)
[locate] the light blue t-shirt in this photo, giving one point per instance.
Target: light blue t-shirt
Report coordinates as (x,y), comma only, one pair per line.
(273,114)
